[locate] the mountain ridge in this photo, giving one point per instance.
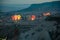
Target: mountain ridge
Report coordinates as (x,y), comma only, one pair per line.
(39,7)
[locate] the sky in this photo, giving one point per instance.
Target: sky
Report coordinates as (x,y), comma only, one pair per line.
(24,1)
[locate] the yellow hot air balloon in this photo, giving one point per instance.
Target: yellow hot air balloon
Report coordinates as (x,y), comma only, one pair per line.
(19,17)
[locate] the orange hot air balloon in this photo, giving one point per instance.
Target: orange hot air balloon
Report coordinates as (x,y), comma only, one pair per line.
(16,17)
(33,17)
(46,14)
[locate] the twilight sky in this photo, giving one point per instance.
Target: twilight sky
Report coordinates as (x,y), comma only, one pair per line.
(24,1)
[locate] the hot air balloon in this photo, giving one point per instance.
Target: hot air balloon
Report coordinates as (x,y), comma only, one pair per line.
(16,17)
(46,14)
(33,17)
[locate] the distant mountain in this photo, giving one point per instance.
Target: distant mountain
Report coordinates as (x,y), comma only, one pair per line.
(12,7)
(43,7)
(53,7)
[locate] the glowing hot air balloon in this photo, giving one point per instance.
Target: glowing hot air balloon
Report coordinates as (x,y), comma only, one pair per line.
(33,17)
(46,14)
(16,17)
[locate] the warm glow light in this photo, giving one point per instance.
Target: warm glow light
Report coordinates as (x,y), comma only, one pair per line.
(33,17)
(46,14)
(19,17)
(16,17)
